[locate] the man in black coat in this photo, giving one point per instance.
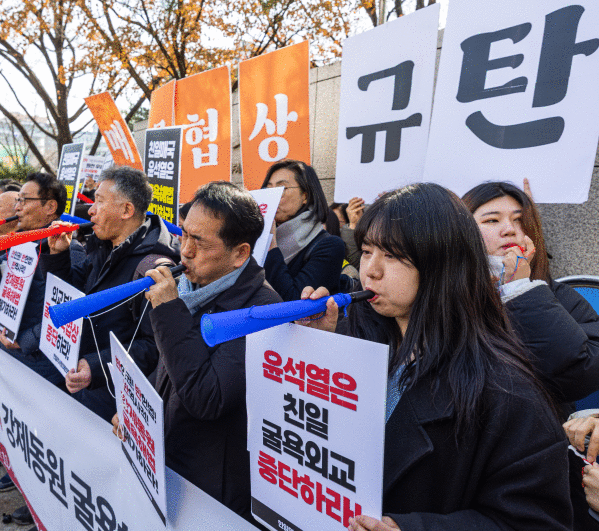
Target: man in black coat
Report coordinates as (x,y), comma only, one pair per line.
(203,388)
(126,243)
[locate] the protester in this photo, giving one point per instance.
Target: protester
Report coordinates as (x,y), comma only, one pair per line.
(349,274)
(301,252)
(472,440)
(203,389)
(556,324)
(126,243)
(7,209)
(354,211)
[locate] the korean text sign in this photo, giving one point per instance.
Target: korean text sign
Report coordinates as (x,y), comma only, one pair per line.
(162,111)
(60,346)
(203,110)
(516,97)
(92,167)
(308,392)
(15,285)
(140,413)
(68,172)
(274,110)
(114,130)
(163,163)
(386,95)
(268,200)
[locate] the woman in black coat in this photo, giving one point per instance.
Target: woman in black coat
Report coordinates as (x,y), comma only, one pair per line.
(301,252)
(472,440)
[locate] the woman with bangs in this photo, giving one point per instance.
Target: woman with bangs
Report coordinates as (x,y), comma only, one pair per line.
(557,325)
(472,439)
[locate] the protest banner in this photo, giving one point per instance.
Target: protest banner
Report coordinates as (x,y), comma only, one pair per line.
(516,97)
(162,111)
(73,474)
(60,346)
(203,110)
(274,110)
(114,130)
(308,391)
(69,171)
(387,78)
(162,166)
(268,200)
(140,413)
(92,167)
(14,286)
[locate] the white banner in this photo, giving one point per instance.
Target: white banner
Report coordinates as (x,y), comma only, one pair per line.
(268,200)
(387,77)
(140,415)
(14,287)
(60,346)
(516,97)
(308,392)
(72,472)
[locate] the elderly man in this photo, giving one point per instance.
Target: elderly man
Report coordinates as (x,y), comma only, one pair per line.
(126,243)
(205,417)
(8,202)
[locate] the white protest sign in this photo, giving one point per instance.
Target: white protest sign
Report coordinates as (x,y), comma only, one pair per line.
(92,167)
(308,392)
(69,170)
(516,97)
(60,346)
(143,425)
(71,471)
(14,287)
(387,77)
(268,200)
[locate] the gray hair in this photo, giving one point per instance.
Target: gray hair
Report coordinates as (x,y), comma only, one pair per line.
(132,184)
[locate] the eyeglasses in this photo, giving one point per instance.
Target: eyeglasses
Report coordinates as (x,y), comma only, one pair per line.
(21,200)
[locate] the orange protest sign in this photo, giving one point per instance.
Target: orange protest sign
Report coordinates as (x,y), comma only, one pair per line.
(162,106)
(203,109)
(274,110)
(114,130)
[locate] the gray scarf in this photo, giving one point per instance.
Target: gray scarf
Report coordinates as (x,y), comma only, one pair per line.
(295,234)
(195,297)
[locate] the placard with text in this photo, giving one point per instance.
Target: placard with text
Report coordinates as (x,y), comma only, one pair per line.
(268,200)
(308,393)
(69,170)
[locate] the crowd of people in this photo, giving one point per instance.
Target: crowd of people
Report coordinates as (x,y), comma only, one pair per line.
(487,351)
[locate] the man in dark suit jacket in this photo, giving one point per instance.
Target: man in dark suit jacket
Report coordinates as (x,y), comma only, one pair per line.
(205,416)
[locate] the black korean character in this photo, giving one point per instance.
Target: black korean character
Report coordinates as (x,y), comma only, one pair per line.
(314,457)
(293,445)
(290,407)
(8,415)
(342,476)
(23,442)
(84,507)
(320,428)
(105,517)
(37,457)
(56,477)
(271,439)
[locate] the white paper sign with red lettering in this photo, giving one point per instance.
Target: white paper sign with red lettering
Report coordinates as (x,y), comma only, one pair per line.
(268,200)
(60,346)
(14,287)
(141,417)
(308,392)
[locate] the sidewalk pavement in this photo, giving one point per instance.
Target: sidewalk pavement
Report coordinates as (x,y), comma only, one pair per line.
(9,501)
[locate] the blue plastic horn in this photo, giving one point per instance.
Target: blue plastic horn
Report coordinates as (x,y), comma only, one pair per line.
(64,313)
(220,327)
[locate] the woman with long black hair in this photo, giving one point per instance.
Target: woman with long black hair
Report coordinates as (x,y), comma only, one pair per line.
(472,439)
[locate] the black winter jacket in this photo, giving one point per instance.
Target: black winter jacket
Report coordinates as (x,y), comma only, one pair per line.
(203,389)
(105,268)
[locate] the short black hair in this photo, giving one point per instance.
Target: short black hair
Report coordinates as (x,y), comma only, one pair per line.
(50,188)
(8,185)
(184,210)
(306,178)
(242,220)
(131,183)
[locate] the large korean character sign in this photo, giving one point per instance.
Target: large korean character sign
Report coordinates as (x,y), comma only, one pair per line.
(162,111)
(14,287)
(308,393)
(60,346)
(387,77)
(69,170)
(274,110)
(162,166)
(203,110)
(140,412)
(114,130)
(517,97)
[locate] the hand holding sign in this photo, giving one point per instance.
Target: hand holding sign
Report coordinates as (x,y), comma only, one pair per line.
(367,523)
(75,381)
(355,209)
(6,342)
